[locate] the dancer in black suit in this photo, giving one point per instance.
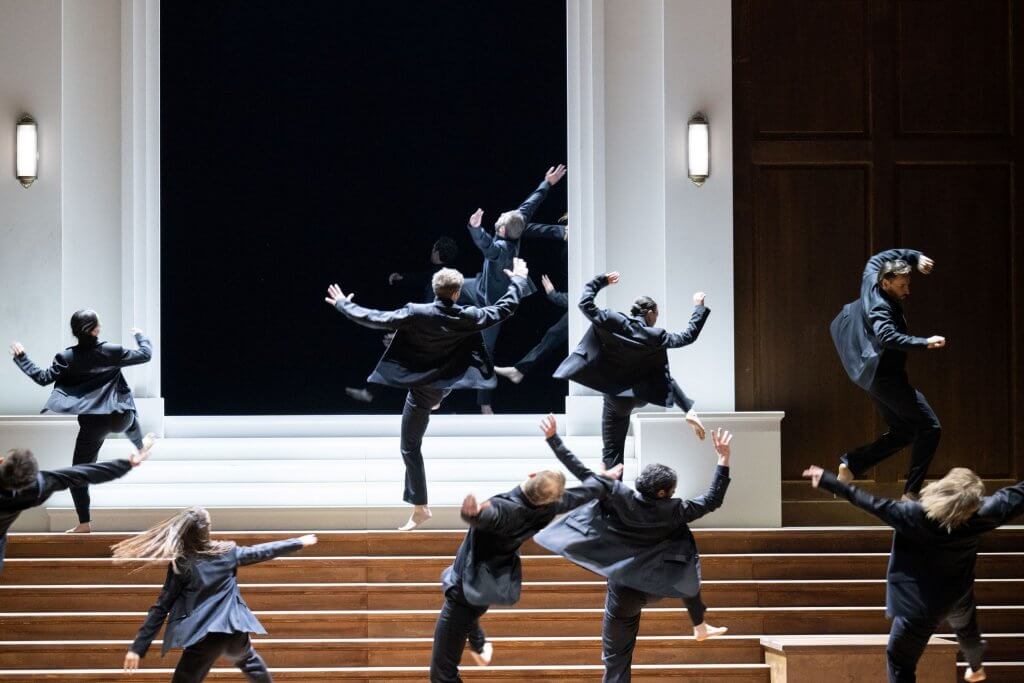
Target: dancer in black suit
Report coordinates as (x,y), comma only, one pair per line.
(625,358)
(640,541)
(551,344)
(24,486)
(487,569)
(871,337)
(931,568)
(437,348)
(200,600)
(88,383)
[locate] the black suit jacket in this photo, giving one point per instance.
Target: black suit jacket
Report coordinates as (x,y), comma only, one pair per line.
(621,356)
(873,325)
(87,378)
(643,543)
(13,502)
(487,564)
(439,344)
(204,598)
(929,568)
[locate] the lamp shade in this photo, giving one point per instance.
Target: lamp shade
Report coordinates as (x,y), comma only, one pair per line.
(27,164)
(698,149)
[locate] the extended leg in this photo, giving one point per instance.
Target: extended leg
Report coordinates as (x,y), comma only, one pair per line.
(197,660)
(551,344)
(614,428)
(622,609)
(907,640)
(861,459)
(92,431)
(454,624)
(252,666)
(963,619)
(484,397)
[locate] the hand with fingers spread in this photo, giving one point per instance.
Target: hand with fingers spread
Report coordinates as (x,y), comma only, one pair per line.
(17,349)
(814,474)
(546,281)
(476,219)
(519,269)
(549,426)
(554,174)
(925,264)
(722,439)
(612,277)
(334,295)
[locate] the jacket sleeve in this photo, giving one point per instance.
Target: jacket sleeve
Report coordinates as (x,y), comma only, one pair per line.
(695,508)
(1003,505)
(875,263)
(173,586)
(37,374)
(500,310)
(567,458)
(83,475)
(530,204)
(495,518)
(884,328)
(602,317)
(371,318)
(544,231)
(673,340)
(560,299)
(266,551)
(593,488)
(485,243)
(136,356)
(889,511)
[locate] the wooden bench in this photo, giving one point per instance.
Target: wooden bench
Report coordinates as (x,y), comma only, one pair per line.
(849,659)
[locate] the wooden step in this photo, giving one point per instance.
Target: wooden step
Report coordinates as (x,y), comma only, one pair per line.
(870,539)
(691,673)
(999,672)
(400,652)
(658,621)
(554,594)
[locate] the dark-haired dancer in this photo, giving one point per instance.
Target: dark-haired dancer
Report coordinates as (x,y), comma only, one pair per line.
(437,348)
(24,486)
(625,358)
(487,569)
(499,251)
(640,541)
(88,383)
(931,568)
(207,615)
(871,337)
(551,344)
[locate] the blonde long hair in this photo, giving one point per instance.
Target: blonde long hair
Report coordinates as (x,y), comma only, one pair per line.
(954,499)
(182,537)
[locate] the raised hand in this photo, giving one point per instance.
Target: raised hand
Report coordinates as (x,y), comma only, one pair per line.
(308,540)
(334,295)
(519,269)
(698,299)
(554,174)
(17,349)
(136,330)
(549,426)
(546,281)
(814,474)
(722,439)
(612,277)
(476,218)
(925,264)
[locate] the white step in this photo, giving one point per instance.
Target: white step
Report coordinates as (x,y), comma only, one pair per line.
(347,425)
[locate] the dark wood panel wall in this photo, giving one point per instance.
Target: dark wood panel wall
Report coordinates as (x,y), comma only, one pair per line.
(862,125)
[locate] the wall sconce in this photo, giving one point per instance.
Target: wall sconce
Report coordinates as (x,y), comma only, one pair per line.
(698,151)
(27,151)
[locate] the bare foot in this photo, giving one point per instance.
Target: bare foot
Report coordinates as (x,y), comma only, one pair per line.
(703,631)
(83,528)
(845,473)
(420,514)
(972,676)
(486,410)
(361,395)
(511,374)
(698,427)
(484,658)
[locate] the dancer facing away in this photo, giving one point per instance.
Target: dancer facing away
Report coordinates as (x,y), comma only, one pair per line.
(88,383)
(499,251)
(437,348)
(871,337)
(625,358)
(487,569)
(24,486)
(551,344)
(640,541)
(930,578)
(207,615)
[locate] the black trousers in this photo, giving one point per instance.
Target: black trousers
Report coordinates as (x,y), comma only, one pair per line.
(908,638)
(911,421)
(470,296)
(93,430)
(551,344)
(615,422)
(622,609)
(415,417)
(457,621)
(197,660)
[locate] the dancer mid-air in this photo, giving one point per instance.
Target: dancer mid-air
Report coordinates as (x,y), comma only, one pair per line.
(625,358)
(88,383)
(437,348)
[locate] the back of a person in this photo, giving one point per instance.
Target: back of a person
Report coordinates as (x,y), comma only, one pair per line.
(630,349)
(433,333)
(90,365)
(640,520)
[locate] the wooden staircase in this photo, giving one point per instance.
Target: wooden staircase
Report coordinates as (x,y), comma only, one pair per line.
(361,606)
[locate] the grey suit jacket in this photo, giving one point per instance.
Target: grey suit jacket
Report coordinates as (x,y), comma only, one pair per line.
(87,378)
(204,598)
(642,543)
(873,324)
(438,344)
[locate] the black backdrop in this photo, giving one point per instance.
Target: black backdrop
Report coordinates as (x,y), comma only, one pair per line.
(311,142)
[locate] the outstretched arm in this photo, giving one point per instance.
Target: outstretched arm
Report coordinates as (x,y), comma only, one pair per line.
(530,204)
(673,340)
(367,317)
(137,356)
(599,316)
(884,327)
(889,511)
(1003,505)
(481,238)
(83,475)
(38,375)
(544,231)
(695,508)
(594,485)
(268,551)
(915,258)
